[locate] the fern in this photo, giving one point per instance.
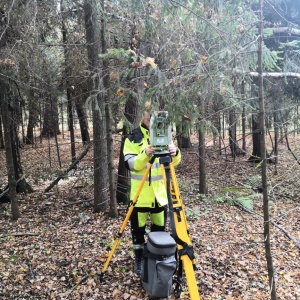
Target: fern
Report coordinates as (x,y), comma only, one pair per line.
(246,202)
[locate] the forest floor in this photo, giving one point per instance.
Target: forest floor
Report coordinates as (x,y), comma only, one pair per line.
(56,248)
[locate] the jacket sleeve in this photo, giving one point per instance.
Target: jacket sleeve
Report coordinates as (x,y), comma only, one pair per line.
(135,156)
(177,158)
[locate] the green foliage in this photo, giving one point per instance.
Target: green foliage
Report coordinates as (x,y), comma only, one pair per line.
(122,269)
(192,212)
(271,59)
(219,199)
(115,53)
(244,201)
(268,32)
(292,44)
(194,33)
(236,196)
(107,244)
(128,126)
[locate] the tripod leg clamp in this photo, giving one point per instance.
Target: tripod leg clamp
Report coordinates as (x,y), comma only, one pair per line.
(187,250)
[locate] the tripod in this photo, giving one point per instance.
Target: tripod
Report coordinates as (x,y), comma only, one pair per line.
(178,224)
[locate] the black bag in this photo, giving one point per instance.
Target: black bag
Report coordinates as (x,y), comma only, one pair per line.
(159,264)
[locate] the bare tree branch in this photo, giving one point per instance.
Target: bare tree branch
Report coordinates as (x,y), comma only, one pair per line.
(71,167)
(269,74)
(288,30)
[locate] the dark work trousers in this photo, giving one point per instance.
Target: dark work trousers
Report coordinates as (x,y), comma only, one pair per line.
(138,220)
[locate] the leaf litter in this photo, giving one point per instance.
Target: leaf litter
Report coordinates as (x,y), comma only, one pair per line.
(58,247)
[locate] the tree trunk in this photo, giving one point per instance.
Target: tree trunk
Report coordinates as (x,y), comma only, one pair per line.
(276,137)
(62,118)
(243,117)
(69,89)
(2,146)
(267,239)
(30,127)
(183,137)
(32,118)
(85,136)
(50,125)
(123,184)
(202,163)
(20,118)
(7,125)
(131,121)
(22,185)
(11,139)
(219,128)
(113,212)
(297,123)
(232,132)
(92,28)
(132,116)
(256,150)
(71,122)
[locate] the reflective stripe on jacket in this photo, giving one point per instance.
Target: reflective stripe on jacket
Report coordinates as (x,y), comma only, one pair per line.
(137,160)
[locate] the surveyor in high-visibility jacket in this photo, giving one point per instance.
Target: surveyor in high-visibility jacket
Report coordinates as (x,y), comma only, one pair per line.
(153,196)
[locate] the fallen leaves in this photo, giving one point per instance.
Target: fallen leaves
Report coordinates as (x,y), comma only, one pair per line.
(56,252)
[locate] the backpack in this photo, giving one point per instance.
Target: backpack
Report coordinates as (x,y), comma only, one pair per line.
(160,264)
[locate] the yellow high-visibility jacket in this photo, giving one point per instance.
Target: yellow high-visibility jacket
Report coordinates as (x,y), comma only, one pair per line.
(136,161)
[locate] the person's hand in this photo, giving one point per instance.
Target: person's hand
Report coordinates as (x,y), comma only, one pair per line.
(149,151)
(172,150)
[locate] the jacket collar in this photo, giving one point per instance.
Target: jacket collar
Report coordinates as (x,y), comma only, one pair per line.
(144,130)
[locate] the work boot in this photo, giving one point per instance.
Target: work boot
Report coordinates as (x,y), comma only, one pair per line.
(138,261)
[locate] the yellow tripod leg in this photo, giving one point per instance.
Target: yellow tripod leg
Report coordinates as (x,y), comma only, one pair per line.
(182,233)
(133,202)
(177,197)
(190,277)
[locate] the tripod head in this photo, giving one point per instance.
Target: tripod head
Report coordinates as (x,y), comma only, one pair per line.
(160,132)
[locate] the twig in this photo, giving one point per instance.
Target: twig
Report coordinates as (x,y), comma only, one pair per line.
(75,286)
(287,142)
(273,223)
(4,192)
(20,234)
(287,234)
(7,188)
